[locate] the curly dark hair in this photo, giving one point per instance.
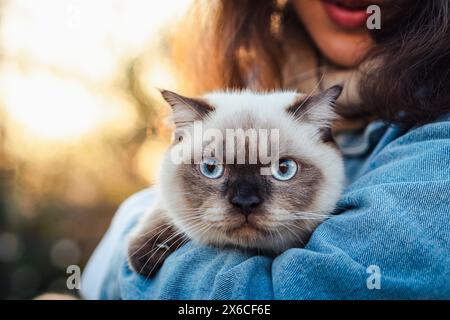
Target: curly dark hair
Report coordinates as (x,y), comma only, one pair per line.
(411,86)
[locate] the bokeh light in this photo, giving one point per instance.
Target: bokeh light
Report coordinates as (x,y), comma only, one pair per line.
(81,126)
(64,253)
(9,247)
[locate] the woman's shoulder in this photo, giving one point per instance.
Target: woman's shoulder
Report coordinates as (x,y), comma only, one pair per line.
(437,133)
(421,153)
(408,171)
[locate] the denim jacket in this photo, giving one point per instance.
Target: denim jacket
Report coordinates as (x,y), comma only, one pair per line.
(389,240)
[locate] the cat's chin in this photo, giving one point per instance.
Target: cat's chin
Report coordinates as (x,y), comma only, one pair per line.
(245,230)
(247,236)
(263,240)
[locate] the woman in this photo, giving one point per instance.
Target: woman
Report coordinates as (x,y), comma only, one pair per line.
(391,238)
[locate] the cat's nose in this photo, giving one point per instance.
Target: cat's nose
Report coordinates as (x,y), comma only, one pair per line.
(245,203)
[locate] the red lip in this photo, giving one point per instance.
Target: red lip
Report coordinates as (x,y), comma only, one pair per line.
(348,14)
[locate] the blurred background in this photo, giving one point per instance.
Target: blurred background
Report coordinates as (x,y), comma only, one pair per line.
(81,127)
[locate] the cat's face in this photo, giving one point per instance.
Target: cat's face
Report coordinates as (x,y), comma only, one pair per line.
(225,191)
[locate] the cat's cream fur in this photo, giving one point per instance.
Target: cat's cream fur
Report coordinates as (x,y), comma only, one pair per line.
(192,206)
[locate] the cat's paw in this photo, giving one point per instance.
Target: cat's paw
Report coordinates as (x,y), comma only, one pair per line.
(146,260)
(147,253)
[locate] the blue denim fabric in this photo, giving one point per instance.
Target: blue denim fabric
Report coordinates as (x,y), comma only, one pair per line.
(394,215)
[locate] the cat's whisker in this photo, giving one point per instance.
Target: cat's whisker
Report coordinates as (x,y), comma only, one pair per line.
(305,218)
(296,235)
(328,222)
(203,231)
(309,95)
(148,240)
(285,227)
(292,82)
(159,259)
(153,229)
(156,250)
(279,234)
(184,240)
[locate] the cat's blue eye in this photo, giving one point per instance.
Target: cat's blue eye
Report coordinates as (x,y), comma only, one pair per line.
(211,169)
(284,170)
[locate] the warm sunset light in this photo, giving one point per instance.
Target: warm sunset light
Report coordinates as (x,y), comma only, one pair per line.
(52,108)
(63,60)
(243,150)
(81,126)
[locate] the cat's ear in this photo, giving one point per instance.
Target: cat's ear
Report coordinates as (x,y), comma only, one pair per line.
(186,110)
(317,109)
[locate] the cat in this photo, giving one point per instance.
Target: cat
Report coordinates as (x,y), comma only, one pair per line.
(253,205)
